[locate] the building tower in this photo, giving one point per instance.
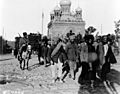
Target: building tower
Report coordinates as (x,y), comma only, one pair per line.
(63,20)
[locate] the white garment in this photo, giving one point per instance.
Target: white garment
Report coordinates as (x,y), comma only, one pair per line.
(56,70)
(105,49)
(29,47)
(24,55)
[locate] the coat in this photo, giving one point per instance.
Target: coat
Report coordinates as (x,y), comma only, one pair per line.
(59,45)
(84,52)
(58,53)
(100,53)
(72,51)
(44,51)
(88,53)
(54,53)
(23,41)
(106,60)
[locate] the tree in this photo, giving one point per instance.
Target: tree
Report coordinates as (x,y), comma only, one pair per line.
(117,27)
(34,39)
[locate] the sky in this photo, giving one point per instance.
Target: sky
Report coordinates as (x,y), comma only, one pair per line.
(17,16)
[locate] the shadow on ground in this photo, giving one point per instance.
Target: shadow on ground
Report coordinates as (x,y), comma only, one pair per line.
(34,66)
(6,59)
(102,88)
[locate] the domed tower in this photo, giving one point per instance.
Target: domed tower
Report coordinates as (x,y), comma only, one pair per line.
(65,7)
(52,15)
(78,13)
(63,20)
(57,12)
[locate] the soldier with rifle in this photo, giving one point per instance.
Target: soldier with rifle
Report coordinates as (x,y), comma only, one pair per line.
(23,43)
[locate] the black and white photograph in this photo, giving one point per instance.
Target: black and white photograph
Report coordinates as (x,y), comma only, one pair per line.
(59,46)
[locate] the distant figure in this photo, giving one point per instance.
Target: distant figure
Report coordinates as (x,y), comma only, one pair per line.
(44,53)
(16,46)
(29,48)
(39,52)
(15,52)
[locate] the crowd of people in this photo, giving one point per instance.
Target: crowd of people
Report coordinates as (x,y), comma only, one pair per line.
(65,56)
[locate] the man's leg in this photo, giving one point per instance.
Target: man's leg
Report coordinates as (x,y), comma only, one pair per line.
(24,56)
(45,61)
(20,64)
(53,72)
(24,64)
(74,69)
(59,66)
(27,62)
(71,65)
(39,59)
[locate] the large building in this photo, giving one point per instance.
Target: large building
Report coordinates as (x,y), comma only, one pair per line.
(62,20)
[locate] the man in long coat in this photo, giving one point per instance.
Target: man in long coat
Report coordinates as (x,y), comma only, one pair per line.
(72,55)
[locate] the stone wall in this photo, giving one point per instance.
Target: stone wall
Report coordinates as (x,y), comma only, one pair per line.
(64,28)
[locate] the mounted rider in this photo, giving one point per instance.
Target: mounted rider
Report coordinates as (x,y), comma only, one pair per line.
(23,43)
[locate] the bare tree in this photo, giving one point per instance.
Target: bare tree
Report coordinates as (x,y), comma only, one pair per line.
(117,29)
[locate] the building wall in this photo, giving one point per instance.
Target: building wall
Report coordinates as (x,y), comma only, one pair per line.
(1,44)
(63,28)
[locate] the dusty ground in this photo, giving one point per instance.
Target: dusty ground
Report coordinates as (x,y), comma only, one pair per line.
(37,80)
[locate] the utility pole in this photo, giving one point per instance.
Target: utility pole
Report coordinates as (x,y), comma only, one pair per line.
(42,21)
(2,40)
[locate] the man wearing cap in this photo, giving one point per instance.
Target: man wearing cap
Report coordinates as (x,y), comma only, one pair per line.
(23,46)
(72,55)
(24,40)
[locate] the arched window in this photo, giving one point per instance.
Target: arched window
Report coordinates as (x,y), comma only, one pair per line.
(57,14)
(51,17)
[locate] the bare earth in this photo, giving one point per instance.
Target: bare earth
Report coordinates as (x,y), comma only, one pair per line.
(37,80)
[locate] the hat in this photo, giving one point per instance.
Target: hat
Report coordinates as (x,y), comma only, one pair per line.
(55,39)
(24,33)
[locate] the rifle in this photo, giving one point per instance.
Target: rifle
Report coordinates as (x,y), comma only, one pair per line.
(19,35)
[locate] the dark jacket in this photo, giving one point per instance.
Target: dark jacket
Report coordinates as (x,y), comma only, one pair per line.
(72,51)
(63,56)
(39,49)
(57,55)
(23,41)
(22,47)
(55,52)
(44,50)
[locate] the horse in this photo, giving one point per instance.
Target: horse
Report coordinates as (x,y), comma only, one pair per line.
(24,55)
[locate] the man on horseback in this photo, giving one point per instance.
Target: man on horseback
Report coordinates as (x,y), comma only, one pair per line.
(23,44)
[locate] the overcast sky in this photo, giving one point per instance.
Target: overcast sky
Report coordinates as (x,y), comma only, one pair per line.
(17,16)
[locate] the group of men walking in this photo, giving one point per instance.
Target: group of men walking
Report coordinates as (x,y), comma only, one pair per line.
(65,55)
